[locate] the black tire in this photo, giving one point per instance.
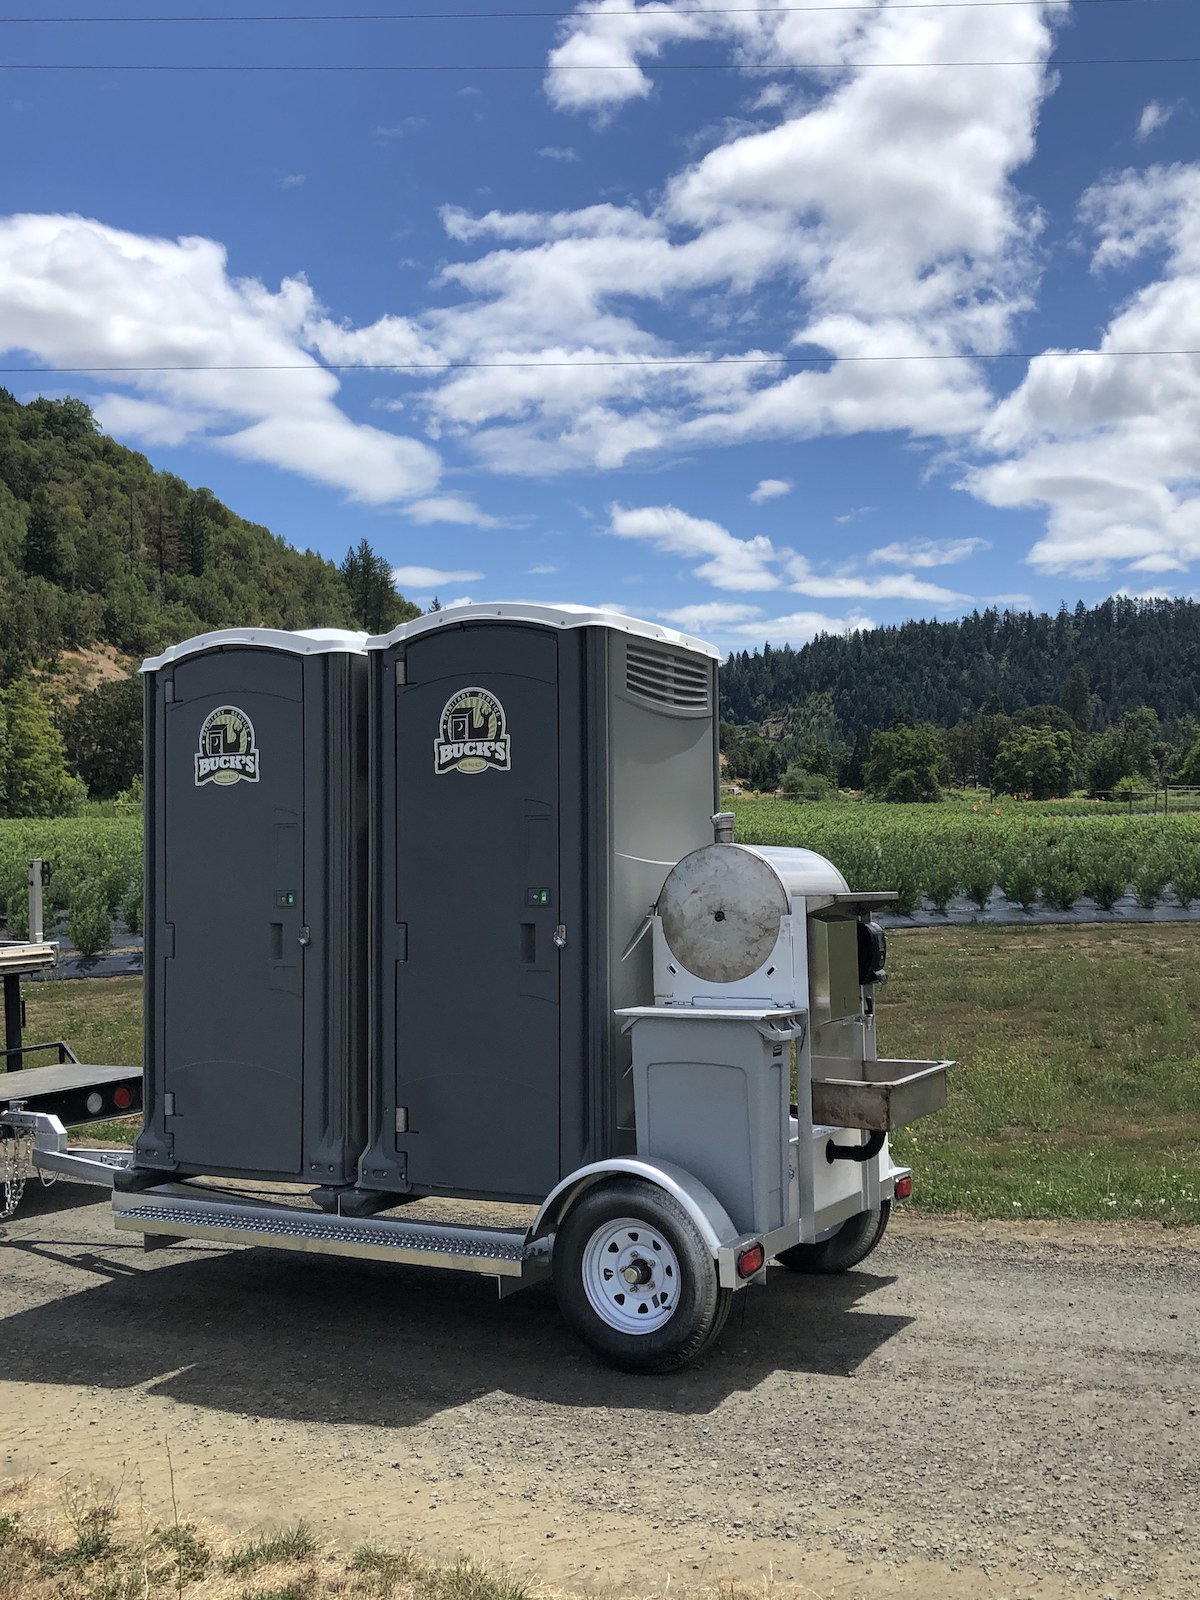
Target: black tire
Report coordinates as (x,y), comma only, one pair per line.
(852,1243)
(686,1308)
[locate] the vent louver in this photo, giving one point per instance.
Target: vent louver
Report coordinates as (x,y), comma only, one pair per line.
(666,679)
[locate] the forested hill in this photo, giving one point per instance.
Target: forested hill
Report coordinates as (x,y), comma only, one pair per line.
(1121,655)
(96,547)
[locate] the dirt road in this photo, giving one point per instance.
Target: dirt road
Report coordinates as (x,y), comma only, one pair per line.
(978,1412)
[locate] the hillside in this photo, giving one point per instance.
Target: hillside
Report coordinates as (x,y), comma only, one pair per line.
(99,549)
(1099,665)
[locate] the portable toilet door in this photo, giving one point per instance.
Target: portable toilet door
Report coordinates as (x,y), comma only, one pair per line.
(256,920)
(473,797)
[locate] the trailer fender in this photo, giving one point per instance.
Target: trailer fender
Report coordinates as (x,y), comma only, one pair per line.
(705,1210)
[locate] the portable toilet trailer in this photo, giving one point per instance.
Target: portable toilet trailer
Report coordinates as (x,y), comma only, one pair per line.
(537,772)
(580,993)
(256,908)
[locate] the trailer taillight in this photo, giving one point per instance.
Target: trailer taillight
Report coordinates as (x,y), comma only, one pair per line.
(751,1260)
(123,1099)
(904,1187)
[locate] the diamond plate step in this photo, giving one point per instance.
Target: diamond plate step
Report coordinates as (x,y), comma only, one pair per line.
(491,1250)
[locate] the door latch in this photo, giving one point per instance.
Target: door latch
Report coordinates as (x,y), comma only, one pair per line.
(305,935)
(560,936)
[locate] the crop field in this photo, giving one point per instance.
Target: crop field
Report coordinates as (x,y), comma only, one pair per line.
(95,870)
(1055,853)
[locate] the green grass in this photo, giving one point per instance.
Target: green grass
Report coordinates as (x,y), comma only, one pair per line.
(289,1544)
(928,853)
(1078,1053)
(100,1018)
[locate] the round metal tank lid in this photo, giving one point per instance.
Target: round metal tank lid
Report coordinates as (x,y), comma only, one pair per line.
(720,909)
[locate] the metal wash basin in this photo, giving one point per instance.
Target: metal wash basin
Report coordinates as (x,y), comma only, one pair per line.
(889,1095)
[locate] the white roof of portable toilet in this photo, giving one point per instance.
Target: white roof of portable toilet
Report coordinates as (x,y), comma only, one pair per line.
(303,642)
(564,616)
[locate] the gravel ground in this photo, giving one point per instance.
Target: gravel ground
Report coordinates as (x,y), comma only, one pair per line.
(982,1410)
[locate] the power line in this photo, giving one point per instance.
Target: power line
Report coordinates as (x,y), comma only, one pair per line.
(645,362)
(615,66)
(559,16)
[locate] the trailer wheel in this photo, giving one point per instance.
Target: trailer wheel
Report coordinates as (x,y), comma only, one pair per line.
(635,1280)
(852,1243)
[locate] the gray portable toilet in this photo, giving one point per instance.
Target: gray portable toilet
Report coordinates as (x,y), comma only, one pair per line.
(536,773)
(256,907)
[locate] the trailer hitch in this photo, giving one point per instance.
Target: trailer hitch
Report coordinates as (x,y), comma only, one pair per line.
(855,1152)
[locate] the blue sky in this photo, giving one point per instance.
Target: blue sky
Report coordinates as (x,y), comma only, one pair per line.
(611,309)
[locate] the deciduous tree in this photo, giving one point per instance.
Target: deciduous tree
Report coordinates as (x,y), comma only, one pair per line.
(1038,762)
(907,763)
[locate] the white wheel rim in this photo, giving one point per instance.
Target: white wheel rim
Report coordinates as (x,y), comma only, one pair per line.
(631,1276)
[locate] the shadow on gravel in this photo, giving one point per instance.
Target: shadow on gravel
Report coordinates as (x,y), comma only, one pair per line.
(48,1199)
(306,1339)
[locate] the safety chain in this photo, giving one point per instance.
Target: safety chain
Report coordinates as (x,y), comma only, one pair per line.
(16,1164)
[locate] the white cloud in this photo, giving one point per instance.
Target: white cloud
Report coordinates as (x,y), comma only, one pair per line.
(851,586)
(722,559)
(1153,117)
(556,152)
(1146,594)
(430,577)
(882,206)
(449,508)
(595,66)
(127,417)
(739,564)
(75,293)
(1105,442)
(398,130)
(738,625)
(928,552)
(770,489)
(1160,562)
(543,569)
(293,180)
(800,626)
(714,614)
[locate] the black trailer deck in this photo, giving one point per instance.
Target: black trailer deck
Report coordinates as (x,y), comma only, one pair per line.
(76,1092)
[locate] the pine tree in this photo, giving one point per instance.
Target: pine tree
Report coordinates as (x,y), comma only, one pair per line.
(42,556)
(1075,698)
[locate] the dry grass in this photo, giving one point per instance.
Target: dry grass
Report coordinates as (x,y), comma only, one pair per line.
(64,1542)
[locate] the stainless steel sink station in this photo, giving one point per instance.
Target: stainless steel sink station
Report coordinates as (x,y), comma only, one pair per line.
(494,945)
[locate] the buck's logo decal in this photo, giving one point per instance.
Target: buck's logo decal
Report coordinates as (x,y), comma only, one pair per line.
(472,735)
(227,752)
